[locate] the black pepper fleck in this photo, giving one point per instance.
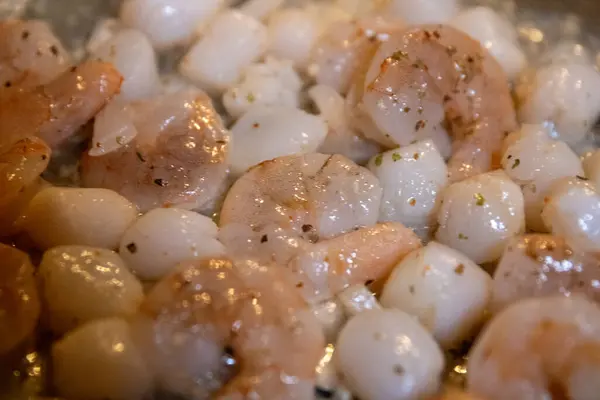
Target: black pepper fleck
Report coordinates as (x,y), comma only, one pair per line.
(160,182)
(264,239)
(7,84)
(132,247)
(25,35)
(54,50)
(307,228)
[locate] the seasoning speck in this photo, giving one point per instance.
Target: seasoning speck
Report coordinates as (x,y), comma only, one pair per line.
(256,125)
(25,35)
(411,289)
(479,199)
(307,228)
(250,97)
(264,239)
(160,182)
(412,202)
(378,159)
(396,157)
(462,237)
(7,84)
(582,178)
(132,248)
(398,370)
(420,125)
(516,163)
(140,156)
(54,50)
(399,55)
(460,269)
(300,285)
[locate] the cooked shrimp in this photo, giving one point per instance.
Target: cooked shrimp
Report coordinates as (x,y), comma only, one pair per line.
(20,168)
(539,349)
(429,78)
(214,308)
(543,265)
(344,46)
(19,302)
(56,110)
(315,195)
(30,54)
(176,157)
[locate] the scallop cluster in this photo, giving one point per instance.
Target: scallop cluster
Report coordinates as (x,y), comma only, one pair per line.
(322,199)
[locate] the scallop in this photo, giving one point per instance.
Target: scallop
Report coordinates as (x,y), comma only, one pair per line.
(292,35)
(535,161)
(565,94)
(169,22)
(100,361)
(132,54)
(270,83)
(496,34)
(413,178)
(265,133)
(330,314)
(155,243)
(480,214)
(445,290)
(72,216)
(356,299)
(572,210)
(386,354)
(232,42)
(82,283)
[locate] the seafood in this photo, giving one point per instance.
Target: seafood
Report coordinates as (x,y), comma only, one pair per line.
(543,265)
(386,354)
(19,300)
(554,339)
(175,157)
(314,195)
(215,307)
(82,283)
(30,54)
(444,289)
(20,168)
(56,110)
(433,78)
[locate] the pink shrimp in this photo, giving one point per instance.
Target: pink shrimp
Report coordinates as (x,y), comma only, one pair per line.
(430,79)
(245,311)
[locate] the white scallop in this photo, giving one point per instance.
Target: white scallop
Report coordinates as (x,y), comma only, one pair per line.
(387,354)
(341,137)
(566,94)
(264,133)
(443,288)
(105,29)
(92,217)
(154,244)
(572,211)
(82,283)
(271,83)
(132,54)
(356,299)
(480,214)
(232,42)
(591,165)
(330,314)
(292,35)
(99,361)
(535,161)
(496,34)
(413,178)
(260,9)
(423,11)
(169,22)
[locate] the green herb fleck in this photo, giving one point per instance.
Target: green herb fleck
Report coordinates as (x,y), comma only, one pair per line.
(140,156)
(378,159)
(516,163)
(120,140)
(250,97)
(479,199)
(582,178)
(396,157)
(462,237)
(399,55)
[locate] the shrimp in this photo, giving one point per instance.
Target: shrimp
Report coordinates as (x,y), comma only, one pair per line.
(19,301)
(56,110)
(30,54)
(542,265)
(174,157)
(211,314)
(315,195)
(20,169)
(538,349)
(432,78)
